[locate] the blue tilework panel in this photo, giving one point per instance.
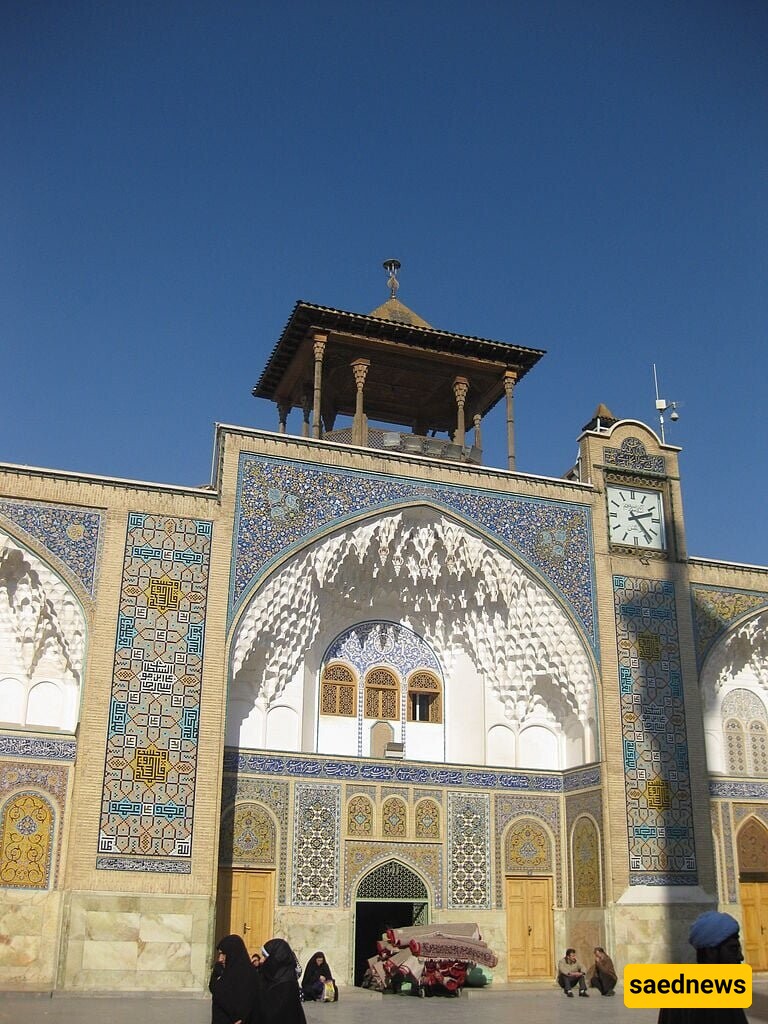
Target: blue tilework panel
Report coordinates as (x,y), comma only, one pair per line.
(282,505)
(72,535)
(41,748)
(717,608)
(469,849)
(151,758)
(659,808)
(317,825)
(368,770)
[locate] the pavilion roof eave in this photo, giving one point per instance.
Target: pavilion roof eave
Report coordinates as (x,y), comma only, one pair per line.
(307,316)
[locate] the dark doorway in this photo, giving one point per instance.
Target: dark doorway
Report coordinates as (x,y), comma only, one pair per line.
(372,919)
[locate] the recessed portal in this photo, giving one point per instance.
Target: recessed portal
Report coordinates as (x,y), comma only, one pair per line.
(390,896)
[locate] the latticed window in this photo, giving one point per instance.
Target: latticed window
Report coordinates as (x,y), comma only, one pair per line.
(338,691)
(758,745)
(734,745)
(424,698)
(382,694)
(745,728)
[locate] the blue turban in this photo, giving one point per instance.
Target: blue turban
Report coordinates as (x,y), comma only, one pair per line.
(711,929)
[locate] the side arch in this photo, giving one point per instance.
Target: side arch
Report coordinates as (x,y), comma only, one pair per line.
(249,835)
(27,834)
(586,863)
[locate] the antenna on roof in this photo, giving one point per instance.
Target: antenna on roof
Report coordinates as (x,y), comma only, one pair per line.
(392,267)
(662,405)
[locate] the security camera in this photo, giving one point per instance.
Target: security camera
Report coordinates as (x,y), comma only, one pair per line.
(674,415)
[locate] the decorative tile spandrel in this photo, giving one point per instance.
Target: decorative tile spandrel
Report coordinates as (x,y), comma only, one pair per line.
(281,505)
(151,758)
(658,783)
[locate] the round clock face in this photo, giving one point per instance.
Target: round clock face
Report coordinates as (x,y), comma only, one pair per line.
(635,517)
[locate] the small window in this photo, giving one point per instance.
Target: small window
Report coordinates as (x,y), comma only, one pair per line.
(382,694)
(424,698)
(338,692)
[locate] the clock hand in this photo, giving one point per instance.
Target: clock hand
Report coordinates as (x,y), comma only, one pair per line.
(636,518)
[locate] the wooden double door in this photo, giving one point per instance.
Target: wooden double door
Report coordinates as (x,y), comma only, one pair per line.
(530,953)
(244,905)
(754,936)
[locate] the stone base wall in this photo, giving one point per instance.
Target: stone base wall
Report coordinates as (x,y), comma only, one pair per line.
(583,928)
(30,923)
(136,943)
(653,933)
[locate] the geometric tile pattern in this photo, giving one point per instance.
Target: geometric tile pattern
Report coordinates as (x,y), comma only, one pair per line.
(469,852)
(72,535)
(151,756)
(658,784)
(715,608)
(316,846)
(26,841)
(282,504)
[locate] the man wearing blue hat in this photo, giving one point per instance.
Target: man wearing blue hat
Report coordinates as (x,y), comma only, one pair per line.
(715,937)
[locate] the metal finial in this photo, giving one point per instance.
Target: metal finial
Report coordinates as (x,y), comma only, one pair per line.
(392,267)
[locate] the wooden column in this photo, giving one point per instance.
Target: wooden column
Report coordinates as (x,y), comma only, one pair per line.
(478,439)
(460,389)
(283,408)
(360,424)
(306,409)
(319,346)
(509,388)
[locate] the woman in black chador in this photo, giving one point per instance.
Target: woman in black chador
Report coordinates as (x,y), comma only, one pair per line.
(233,983)
(279,1001)
(316,976)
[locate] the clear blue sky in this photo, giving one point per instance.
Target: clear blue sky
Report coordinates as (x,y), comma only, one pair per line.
(584,177)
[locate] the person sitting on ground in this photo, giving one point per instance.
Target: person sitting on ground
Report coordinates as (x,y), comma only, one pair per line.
(715,937)
(603,975)
(317,975)
(570,973)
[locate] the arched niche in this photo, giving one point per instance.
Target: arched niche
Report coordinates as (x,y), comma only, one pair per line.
(42,643)
(506,648)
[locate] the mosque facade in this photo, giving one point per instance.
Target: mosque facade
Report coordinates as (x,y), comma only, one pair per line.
(362,680)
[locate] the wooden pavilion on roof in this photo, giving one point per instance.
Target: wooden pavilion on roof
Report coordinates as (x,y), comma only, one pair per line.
(391,367)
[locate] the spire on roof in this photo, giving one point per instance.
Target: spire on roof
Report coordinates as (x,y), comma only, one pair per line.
(602,418)
(393,309)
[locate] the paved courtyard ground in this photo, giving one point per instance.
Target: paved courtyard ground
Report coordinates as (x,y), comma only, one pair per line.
(489,1006)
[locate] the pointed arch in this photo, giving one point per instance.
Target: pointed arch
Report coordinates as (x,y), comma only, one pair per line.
(249,836)
(43,634)
(27,831)
(586,862)
(752,850)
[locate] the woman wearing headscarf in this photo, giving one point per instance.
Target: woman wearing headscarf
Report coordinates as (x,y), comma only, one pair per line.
(233,983)
(316,976)
(278,1000)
